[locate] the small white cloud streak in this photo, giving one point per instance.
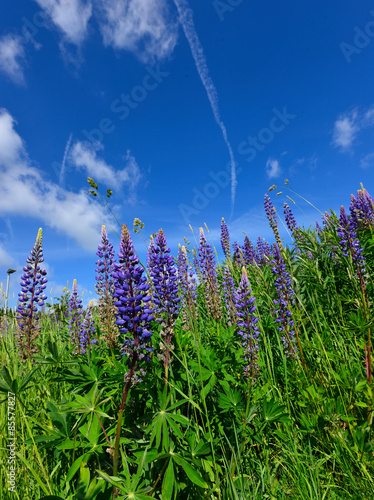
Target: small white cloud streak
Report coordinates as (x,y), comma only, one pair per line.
(186,20)
(62,172)
(345,130)
(12,57)
(367,161)
(273,169)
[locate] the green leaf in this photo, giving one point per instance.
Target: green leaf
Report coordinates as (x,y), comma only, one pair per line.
(74,468)
(192,474)
(38,479)
(168,482)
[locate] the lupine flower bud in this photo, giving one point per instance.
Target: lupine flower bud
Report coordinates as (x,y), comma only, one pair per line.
(272,218)
(75,313)
(361,210)
(105,289)
(187,289)
(88,330)
(225,239)
(247,326)
(290,219)
(228,289)
(249,252)
(285,301)
(209,277)
(33,283)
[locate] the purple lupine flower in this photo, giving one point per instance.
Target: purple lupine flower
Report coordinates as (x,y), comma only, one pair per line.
(272,218)
(249,252)
(163,273)
(105,289)
(319,230)
(88,330)
(290,219)
(225,239)
(209,277)
(133,314)
(228,292)
(285,301)
(260,250)
(75,313)
(350,245)
(361,210)
(246,322)
(187,289)
(239,261)
(328,221)
(33,283)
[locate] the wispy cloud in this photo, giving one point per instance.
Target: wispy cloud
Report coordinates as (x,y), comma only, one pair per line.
(84,156)
(367,161)
(25,192)
(62,172)
(143,27)
(348,125)
(12,58)
(273,168)
(186,20)
(71,17)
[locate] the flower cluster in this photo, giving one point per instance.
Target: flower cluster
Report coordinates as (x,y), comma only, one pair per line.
(187,289)
(133,314)
(272,218)
(349,242)
(361,210)
(165,296)
(225,239)
(238,255)
(289,218)
(228,289)
(75,313)
(33,283)
(88,330)
(249,252)
(246,322)
(284,302)
(209,277)
(105,289)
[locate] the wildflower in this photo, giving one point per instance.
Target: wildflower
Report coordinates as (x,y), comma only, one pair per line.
(349,243)
(33,283)
(75,313)
(209,277)
(249,252)
(228,288)
(225,239)
(133,314)
(361,210)
(272,218)
(246,322)
(290,219)
(284,302)
(238,255)
(165,296)
(105,289)
(187,288)
(88,330)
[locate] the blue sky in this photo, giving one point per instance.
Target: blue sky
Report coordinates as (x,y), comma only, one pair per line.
(188,110)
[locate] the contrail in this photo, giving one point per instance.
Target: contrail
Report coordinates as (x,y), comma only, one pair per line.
(62,171)
(186,20)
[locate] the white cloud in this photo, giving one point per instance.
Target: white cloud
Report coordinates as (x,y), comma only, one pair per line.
(348,125)
(12,58)
(25,192)
(6,260)
(140,26)
(346,128)
(273,169)
(367,161)
(85,157)
(70,16)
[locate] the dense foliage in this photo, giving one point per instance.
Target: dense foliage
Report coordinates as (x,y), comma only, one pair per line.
(189,379)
